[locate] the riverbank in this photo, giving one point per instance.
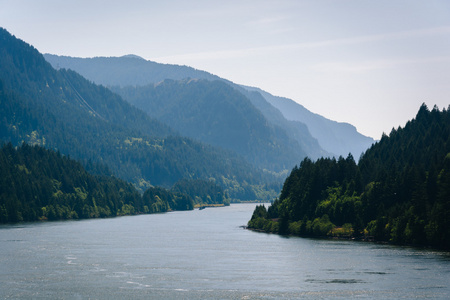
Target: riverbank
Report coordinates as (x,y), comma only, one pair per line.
(368,239)
(201,206)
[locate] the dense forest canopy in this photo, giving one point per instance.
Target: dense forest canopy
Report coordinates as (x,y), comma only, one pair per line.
(40,184)
(398,192)
(203,192)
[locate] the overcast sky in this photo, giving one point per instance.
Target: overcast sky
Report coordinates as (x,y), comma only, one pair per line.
(368,63)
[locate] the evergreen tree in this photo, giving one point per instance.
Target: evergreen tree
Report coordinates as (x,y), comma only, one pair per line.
(398,192)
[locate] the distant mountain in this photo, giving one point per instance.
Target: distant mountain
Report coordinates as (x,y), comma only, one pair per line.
(126,70)
(333,137)
(316,135)
(216,113)
(295,129)
(59,109)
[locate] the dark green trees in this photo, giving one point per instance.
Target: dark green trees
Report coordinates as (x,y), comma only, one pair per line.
(202,191)
(398,192)
(158,199)
(39,184)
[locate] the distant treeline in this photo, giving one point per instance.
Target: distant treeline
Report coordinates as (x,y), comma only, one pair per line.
(40,184)
(399,191)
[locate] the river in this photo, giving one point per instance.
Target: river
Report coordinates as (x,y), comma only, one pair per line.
(205,254)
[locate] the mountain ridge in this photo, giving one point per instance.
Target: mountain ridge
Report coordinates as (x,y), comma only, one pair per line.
(125,70)
(332,141)
(329,133)
(44,106)
(215,113)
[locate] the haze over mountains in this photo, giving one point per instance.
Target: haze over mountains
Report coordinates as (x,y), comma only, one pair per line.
(334,137)
(61,110)
(215,113)
(183,124)
(126,70)
(314,134)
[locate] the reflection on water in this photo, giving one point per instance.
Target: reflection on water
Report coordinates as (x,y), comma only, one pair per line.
(205,255)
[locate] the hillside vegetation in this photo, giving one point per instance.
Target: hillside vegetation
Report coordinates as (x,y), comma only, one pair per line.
(40,184)
(61,110)
(215,113)
(310,134)
(398,192)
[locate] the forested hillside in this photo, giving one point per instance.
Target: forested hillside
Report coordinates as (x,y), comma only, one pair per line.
(39,184)
(211,109)
(398,192)
(59,109)
(295,130)
(215,113)
(316,136)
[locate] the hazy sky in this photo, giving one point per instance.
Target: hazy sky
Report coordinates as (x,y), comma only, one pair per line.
(368,63)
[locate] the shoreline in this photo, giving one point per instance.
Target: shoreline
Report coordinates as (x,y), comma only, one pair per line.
(353,239)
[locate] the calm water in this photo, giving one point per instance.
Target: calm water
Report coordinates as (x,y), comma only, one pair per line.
(205,255)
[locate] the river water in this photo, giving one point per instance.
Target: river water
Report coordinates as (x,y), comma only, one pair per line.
(205,255)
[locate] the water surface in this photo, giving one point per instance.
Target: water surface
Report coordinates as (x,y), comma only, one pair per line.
(206,255)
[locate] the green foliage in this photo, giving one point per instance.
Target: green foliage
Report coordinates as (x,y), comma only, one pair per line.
(399,191)
(259,212)
(260,221)
(201,191)
(39,184)
(158,199)
(321,226)
(345,231)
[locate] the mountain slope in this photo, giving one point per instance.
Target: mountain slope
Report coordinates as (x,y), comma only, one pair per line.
(295,129)
(334,137)
(211,112)
(62,110)
(215,113)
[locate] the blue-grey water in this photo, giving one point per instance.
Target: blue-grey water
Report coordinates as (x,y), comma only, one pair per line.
(205,255)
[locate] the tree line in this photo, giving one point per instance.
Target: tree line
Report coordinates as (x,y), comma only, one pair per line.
(398,192)
(40,184)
